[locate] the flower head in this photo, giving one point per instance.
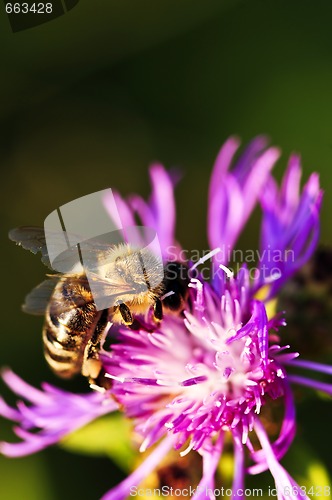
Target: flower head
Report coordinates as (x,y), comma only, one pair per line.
(208,371)
(211,369)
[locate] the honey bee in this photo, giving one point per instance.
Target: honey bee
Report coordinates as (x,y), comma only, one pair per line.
(74,328)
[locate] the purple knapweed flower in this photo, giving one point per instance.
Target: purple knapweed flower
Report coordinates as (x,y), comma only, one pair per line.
(208,372)
(54,412)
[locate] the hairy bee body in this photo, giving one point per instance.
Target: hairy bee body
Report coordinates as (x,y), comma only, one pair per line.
(134,280)
(74,329)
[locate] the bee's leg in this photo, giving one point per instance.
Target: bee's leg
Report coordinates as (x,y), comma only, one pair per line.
(158,310)
(127,317)
(92,365)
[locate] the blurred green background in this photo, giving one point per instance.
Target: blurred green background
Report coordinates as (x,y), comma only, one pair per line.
(90,99)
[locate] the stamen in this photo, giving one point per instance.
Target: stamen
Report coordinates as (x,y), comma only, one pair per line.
(275,276)
(144,445)
(167,295)
(205,258)
(193,381)
(97,388)
(113,377)
(187,450)
(228,272)
(195,283)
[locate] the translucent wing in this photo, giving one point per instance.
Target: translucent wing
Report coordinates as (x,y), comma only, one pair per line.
(104,290)
(96,251)
(31,238)
(36,301)
(109,287)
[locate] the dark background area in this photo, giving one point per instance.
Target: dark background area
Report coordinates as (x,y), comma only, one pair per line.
(91,98)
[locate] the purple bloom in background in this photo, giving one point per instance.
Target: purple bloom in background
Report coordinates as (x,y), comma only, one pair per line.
(207,373)
(290,223)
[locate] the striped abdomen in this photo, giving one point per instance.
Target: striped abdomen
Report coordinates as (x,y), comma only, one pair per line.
(72,329)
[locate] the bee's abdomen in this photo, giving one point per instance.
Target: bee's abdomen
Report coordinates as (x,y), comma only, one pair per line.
(67,332)
(62,349)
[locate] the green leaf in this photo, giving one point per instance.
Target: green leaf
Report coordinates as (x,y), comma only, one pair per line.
(110,436)
(25,478)
(308,470)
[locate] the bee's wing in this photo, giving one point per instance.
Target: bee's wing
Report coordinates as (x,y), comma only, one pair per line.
(106,291)
(96,251)
(36,301)
(31,238)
